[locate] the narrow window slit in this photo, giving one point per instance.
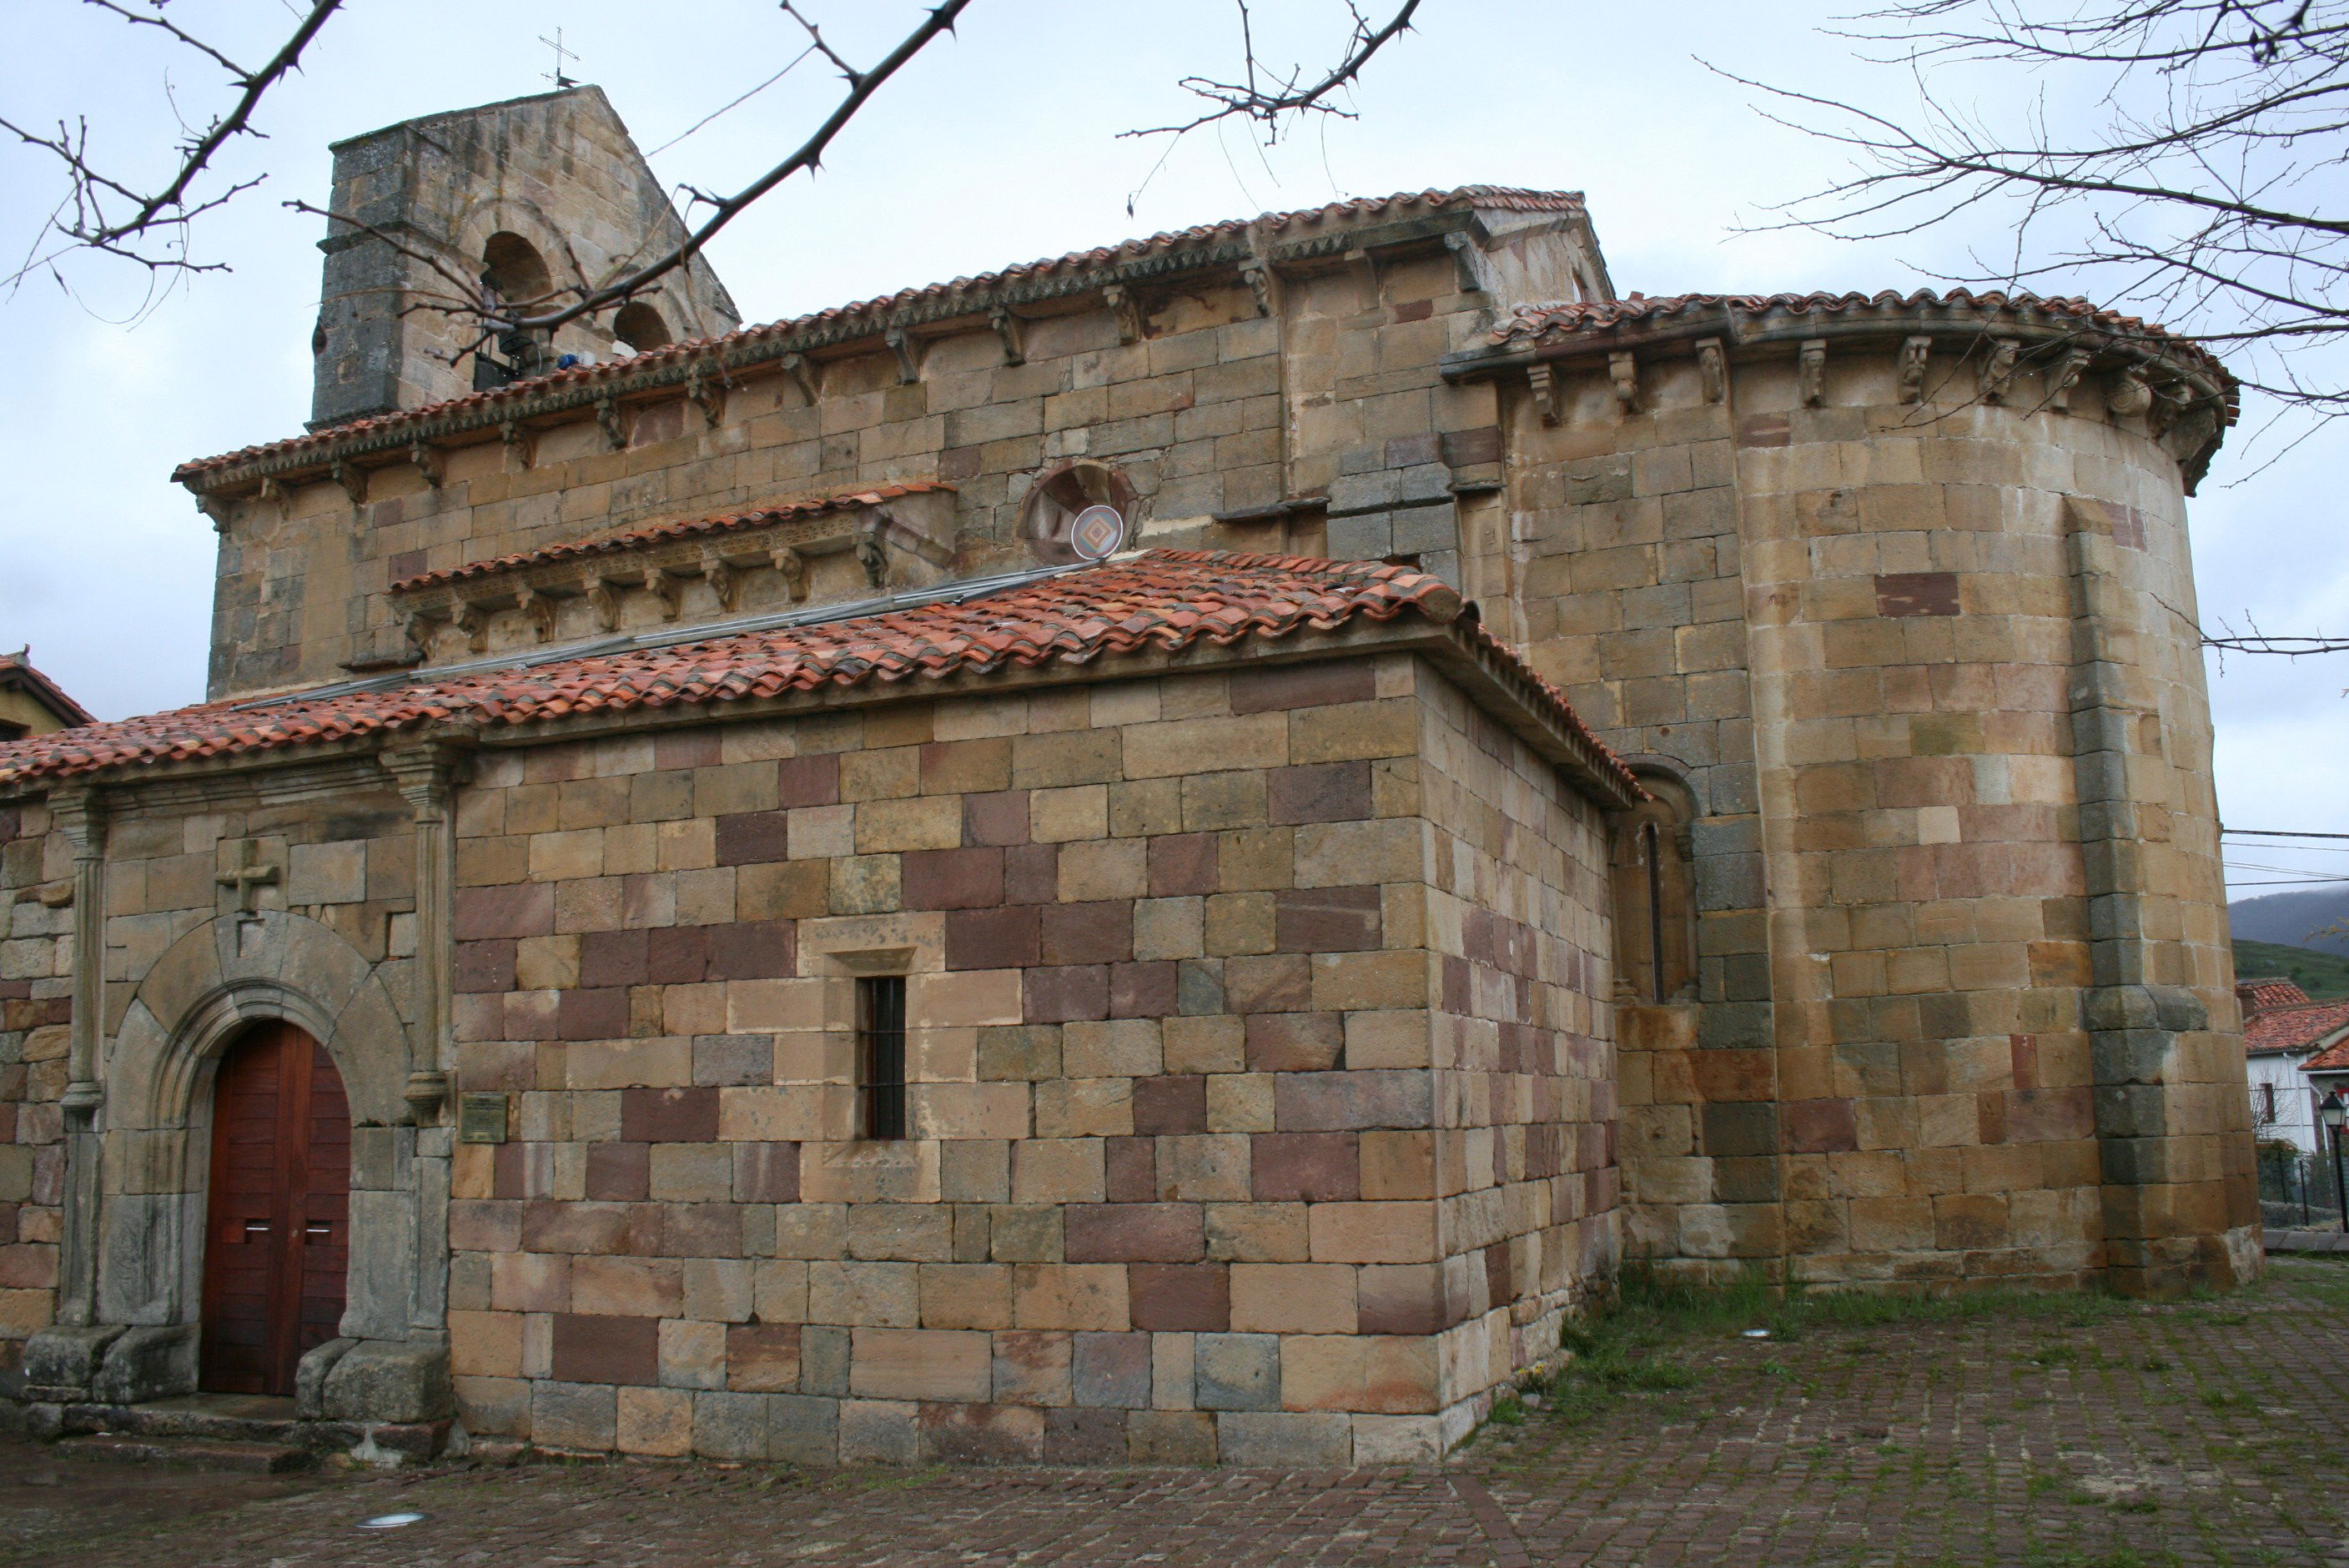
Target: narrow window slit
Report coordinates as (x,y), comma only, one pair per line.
(881,1053)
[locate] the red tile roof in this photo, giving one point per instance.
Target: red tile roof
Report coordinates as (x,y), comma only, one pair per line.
(2265,995)
(2334,1059)
(614,544)
(1488,197)
(2295,1028)
(1163,598)
(1536,322)
(16,671)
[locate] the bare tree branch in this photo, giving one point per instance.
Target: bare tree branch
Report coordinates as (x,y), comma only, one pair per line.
(1250,100)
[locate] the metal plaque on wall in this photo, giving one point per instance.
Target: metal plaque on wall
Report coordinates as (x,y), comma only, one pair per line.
(481,1119)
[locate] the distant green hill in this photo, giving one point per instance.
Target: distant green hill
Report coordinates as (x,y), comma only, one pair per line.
(2318,974)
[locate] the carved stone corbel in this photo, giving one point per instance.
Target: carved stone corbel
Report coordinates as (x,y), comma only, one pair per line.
(473,621)
(1712,369)
(220,509)
(663,585)
(353,478)
(1364,266)
(908,351)
(428,461)
(720,577)
(1468,262)
(793,568)
(520,442)
(1995,378)
(1623,376)
(602,598)
(420,625)
(874,556)
(804,375)
(614,420)
(1263,282)
(2065,376)
(2131,395)
(1012,333)
(537,609)
(706,387)
(1811,373)
(1916,353)
(272,492)
(1126,308)
(1549,395)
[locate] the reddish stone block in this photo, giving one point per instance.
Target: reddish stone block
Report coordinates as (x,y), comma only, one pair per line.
(1917,593)
(1131,1168)
(611,958)
(982,1434)
(752,838)
(1295,1042)
(686,748)
(1459,448)
(1304,1167)
(1134,1232)
(1322,792)
(752,950)
(676,954)
(484,966)
(808,781)
(1500,1279)
(509,1167)
(1765,430)
(1303,685)
(1278,983)
(595,1349)
(669,1115)
(762,1357)
(1060,995)
(592,1015)
(1353,1101)
(997,818)
(1180,1298)
(1183,864)
(952,879)
(1819,1126)
(1143,990)
(766,1172)
(1326,919)
(1171,1105)
(617,1172)
(478,1226)
(1097,932)
(1005,938)
(1031,873)
(1089,1438)
(1403,1298)
(695,1229)
(512,909)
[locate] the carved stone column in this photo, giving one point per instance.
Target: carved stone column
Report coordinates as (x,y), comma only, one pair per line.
(81,815)
(428,775)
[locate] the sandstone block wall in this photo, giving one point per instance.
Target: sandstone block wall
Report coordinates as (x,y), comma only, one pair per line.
(1259,1106)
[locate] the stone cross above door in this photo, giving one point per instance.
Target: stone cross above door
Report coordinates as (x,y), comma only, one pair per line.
(249,877)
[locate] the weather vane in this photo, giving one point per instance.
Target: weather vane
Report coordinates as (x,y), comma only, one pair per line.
(556,76)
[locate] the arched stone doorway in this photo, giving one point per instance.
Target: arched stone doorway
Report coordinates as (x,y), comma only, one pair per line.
(277,1232)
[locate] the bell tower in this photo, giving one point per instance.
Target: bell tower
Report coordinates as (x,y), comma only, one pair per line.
(519,205)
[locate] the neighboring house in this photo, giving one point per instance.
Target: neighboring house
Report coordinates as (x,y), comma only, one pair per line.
(2286,1036)
(31,703)
(2328,1070)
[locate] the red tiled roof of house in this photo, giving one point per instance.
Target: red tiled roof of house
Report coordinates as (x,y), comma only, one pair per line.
(1491,196)
(2265,994)
(16,670)
(1163,598)
(1534,322)
(2295,1028)
(614,543)
(2332,1060)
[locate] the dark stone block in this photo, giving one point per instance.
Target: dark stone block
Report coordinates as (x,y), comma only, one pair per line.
(597,1349)
(669,1115)
(1303,685)
(752,838)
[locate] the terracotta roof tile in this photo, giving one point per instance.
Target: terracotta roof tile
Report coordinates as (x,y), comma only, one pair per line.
(614,544)
(2295,1028)
(1162,599)
(2265,994)
(2334,1059)
(1491,196)
(1536,322)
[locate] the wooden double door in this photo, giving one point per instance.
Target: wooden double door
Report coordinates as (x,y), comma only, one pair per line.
(277,1235)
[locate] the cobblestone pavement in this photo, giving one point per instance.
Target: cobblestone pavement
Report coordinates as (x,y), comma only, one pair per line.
(2100,1436)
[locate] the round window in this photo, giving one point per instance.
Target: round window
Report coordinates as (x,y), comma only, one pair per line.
(1061,496)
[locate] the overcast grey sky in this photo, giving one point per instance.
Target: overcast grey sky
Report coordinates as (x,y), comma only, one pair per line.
(995,147)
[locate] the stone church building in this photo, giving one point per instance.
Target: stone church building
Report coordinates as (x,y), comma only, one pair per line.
(1166,855)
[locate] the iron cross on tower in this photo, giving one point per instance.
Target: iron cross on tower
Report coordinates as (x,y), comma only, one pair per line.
(557,75)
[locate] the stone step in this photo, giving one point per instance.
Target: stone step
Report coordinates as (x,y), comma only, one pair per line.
(203,1453)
